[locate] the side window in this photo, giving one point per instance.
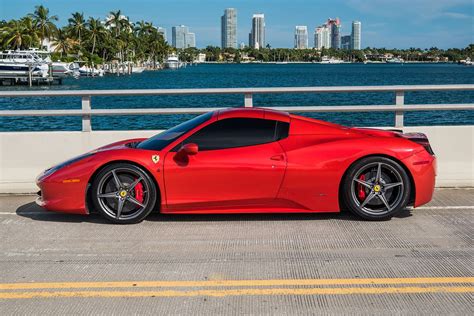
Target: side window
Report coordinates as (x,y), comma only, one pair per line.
(238,132)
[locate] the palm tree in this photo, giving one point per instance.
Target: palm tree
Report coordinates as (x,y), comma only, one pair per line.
(31,29)
(63,44)
(119,24)
(77,25)
(96,31)
(44,22)
(16,35)
(116,22)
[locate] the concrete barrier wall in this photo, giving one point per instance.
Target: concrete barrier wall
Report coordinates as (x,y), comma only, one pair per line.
(23,155)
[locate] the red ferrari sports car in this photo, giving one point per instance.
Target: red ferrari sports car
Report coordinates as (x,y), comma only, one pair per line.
(246,161)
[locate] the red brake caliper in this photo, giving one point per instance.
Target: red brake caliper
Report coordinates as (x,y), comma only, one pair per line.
(139,192)
(360,188)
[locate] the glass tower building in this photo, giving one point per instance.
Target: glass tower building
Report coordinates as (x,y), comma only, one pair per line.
(181,38)
(178,34)
(190,40)
(335,27)
(346,42)
(162,31)
(257,35)
(356,35)
(229,28)
(301,37)
(322,37)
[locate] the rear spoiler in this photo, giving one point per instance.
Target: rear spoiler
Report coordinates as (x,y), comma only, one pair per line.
(420,139)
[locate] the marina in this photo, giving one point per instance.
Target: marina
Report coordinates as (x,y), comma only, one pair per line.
(250,76)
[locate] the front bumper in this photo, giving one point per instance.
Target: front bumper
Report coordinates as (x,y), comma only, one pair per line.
(61,195)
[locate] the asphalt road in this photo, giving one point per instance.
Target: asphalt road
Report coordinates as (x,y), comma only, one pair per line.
(418,263)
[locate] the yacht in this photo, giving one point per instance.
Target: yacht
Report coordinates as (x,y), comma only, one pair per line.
(137,69)
(90,71)
(395,60)
(172,62)
(332,60)
(20,63)
(59,69)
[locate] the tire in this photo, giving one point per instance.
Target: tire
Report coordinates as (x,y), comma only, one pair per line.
(123,193)
(376,188)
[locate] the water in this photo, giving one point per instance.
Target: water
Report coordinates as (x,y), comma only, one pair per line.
(253,75)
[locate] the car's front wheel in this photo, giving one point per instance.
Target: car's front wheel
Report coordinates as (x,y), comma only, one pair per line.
(123,193)
(376,188)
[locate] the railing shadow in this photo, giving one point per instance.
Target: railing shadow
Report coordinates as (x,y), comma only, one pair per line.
(35,212)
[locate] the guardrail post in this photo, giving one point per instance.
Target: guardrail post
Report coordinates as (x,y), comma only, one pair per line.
(248,100)
(86,118)
(399,100)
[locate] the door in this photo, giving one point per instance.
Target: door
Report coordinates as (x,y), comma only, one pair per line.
(239,162)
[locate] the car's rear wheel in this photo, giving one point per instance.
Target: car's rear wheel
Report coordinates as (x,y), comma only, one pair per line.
(123,193)
(376,188)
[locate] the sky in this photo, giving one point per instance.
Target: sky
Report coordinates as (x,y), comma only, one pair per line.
(385,23)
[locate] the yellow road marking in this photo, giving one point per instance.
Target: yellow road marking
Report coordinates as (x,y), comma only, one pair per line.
(214,283)
(240,292)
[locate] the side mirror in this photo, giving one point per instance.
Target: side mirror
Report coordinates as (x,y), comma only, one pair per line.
(189,149)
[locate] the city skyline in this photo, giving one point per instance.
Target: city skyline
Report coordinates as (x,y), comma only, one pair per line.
(386,24)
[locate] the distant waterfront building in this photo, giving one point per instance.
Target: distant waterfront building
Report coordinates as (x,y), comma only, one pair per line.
(242,45)
(346,42)
(257,35)
(162,31)
(301,37)
(201,58)
(178,34)
(322,37)
(229,28)
(190,40)
(356,35)
(335,26)
(181,38)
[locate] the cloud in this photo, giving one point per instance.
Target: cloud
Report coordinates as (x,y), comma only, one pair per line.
(456,15)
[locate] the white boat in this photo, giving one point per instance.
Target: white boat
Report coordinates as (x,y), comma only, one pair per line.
(172,62)
(137,70)
(21,63)
(466,62)
(90,71)
(59,69)
(395,60)
(332,60)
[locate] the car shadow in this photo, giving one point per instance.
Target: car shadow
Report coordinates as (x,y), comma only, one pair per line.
(37,213)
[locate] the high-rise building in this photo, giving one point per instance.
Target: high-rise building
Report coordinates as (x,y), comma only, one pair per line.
(178,34)
(190,40)
(257,35)
(181,38)
(229,28)
(335,26)
(346,42)
(301,37)
(162,31)
(356,35)
(322,37)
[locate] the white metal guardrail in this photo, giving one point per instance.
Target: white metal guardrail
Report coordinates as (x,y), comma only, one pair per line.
(86,112)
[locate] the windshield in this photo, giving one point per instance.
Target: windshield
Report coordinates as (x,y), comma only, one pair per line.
(161,140)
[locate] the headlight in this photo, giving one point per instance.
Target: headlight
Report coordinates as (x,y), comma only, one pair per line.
(66,163)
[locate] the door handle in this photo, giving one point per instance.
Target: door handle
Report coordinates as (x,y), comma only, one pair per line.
(278,157)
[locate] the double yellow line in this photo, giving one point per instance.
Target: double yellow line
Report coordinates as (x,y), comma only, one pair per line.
(239,287)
